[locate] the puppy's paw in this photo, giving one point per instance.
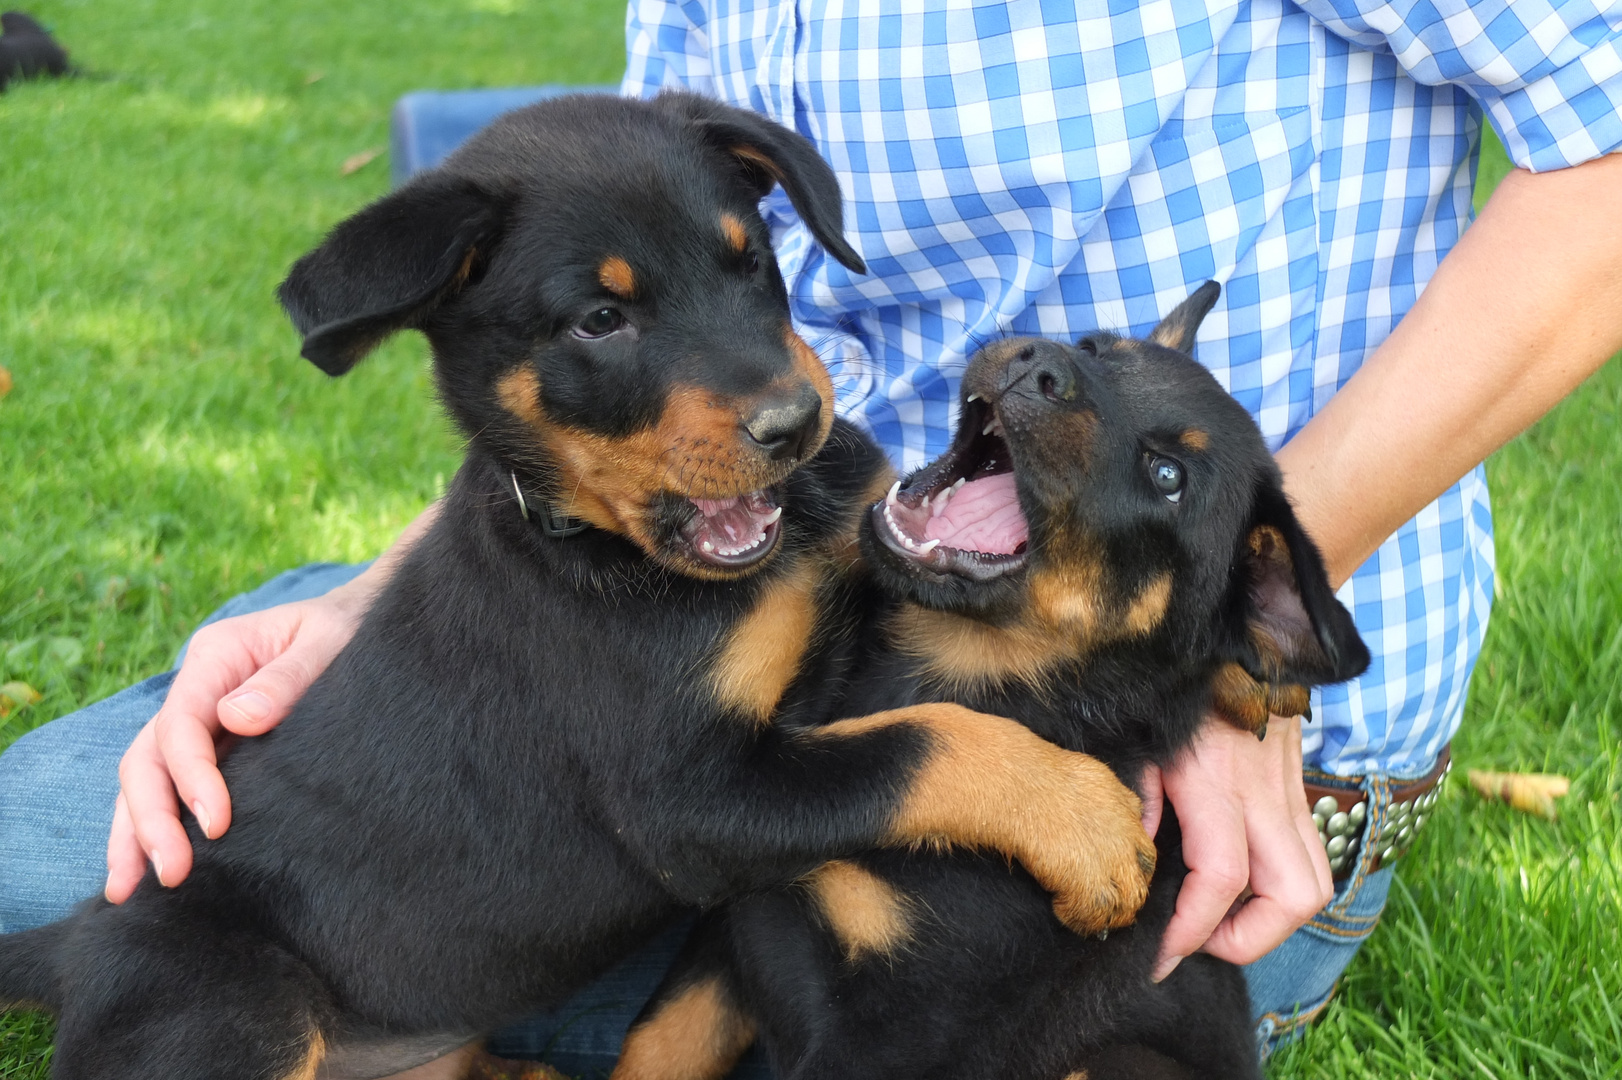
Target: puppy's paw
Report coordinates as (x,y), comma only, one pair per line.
(992,784)
(1246,704)
(1102,859)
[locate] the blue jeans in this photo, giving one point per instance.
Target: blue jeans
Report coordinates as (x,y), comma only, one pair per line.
(58,783)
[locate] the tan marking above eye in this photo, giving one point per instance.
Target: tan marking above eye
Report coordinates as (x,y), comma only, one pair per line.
(697,1035)
(737,236)
(762,652)
(1195,440)
(865,912)
(616,276)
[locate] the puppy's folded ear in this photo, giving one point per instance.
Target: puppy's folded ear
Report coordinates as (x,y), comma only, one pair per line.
(769,153)
(1296,631)
(387,267)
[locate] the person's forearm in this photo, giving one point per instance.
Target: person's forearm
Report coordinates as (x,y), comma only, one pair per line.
(1526,306)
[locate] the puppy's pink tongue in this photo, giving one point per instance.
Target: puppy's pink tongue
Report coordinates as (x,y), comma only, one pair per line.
(734,524)
(984,515)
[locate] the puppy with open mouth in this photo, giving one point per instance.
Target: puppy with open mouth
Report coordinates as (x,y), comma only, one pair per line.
(581,702)
(1105,552)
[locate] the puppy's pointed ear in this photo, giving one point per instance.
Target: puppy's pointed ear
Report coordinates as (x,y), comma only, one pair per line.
(1296,631)
(1177,330)
(769,153)
(387,267)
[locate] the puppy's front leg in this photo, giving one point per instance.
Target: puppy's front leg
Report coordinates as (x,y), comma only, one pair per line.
(714,824)
(989,783)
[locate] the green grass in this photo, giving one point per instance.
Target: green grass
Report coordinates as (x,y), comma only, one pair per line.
(164,447)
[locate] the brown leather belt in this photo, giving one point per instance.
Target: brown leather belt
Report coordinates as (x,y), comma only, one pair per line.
(1402,808)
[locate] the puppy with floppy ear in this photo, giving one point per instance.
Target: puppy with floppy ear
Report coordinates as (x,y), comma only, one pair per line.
(589,695)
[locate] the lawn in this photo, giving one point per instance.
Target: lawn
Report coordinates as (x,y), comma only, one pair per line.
(164,447)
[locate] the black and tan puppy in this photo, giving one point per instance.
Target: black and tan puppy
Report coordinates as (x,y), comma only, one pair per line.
(573,709)
(1106,553)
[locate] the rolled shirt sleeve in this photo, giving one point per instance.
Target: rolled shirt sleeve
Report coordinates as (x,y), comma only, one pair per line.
(1548,73)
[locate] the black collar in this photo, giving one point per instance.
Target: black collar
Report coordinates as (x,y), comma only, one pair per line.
(553,524)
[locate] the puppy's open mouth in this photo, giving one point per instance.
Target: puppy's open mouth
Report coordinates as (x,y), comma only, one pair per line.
(960,515)
(733,533)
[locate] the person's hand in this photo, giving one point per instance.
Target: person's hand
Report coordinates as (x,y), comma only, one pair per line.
(1256,869)
(240,677)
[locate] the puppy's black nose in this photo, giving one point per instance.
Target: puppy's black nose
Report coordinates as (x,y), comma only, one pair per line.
(1042,368)
(785,427)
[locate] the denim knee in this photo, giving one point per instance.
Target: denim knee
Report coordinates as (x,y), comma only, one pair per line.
(57,786)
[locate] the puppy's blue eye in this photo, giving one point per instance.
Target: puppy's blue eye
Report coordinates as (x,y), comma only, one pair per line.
(1167,476)
(600,323)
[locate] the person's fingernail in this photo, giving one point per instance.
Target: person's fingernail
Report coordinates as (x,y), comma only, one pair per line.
(157,865)
(251,704)
(1167,966)
(201,813)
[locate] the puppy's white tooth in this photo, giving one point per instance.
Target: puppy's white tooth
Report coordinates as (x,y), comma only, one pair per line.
(971,397)
(925,549)
(708,547)
(960,482)
(890,498)
(989,425)
(771,518)
(938,507)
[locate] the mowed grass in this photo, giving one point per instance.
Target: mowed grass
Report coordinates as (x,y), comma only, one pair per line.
(164,448)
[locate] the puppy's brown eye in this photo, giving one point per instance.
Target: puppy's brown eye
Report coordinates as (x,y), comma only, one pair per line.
(600,323)
(1167,477)
(751,263)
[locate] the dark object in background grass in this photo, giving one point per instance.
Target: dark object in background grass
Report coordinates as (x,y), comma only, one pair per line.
(558,723)
(27,50)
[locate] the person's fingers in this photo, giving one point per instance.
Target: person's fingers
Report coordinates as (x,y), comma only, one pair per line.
(1215,850)
(1152,790)
(126,862)
(191,760)
(264,698)
(1295,793)
(1287,886)
(149,799)
(222,658)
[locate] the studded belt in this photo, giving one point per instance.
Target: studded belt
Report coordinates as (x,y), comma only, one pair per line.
(1342,813)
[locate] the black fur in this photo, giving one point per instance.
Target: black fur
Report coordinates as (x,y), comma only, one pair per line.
(987,982)
(518,771)
(525,763)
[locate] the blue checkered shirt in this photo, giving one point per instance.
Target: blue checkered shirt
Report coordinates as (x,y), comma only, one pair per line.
(1050,167)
